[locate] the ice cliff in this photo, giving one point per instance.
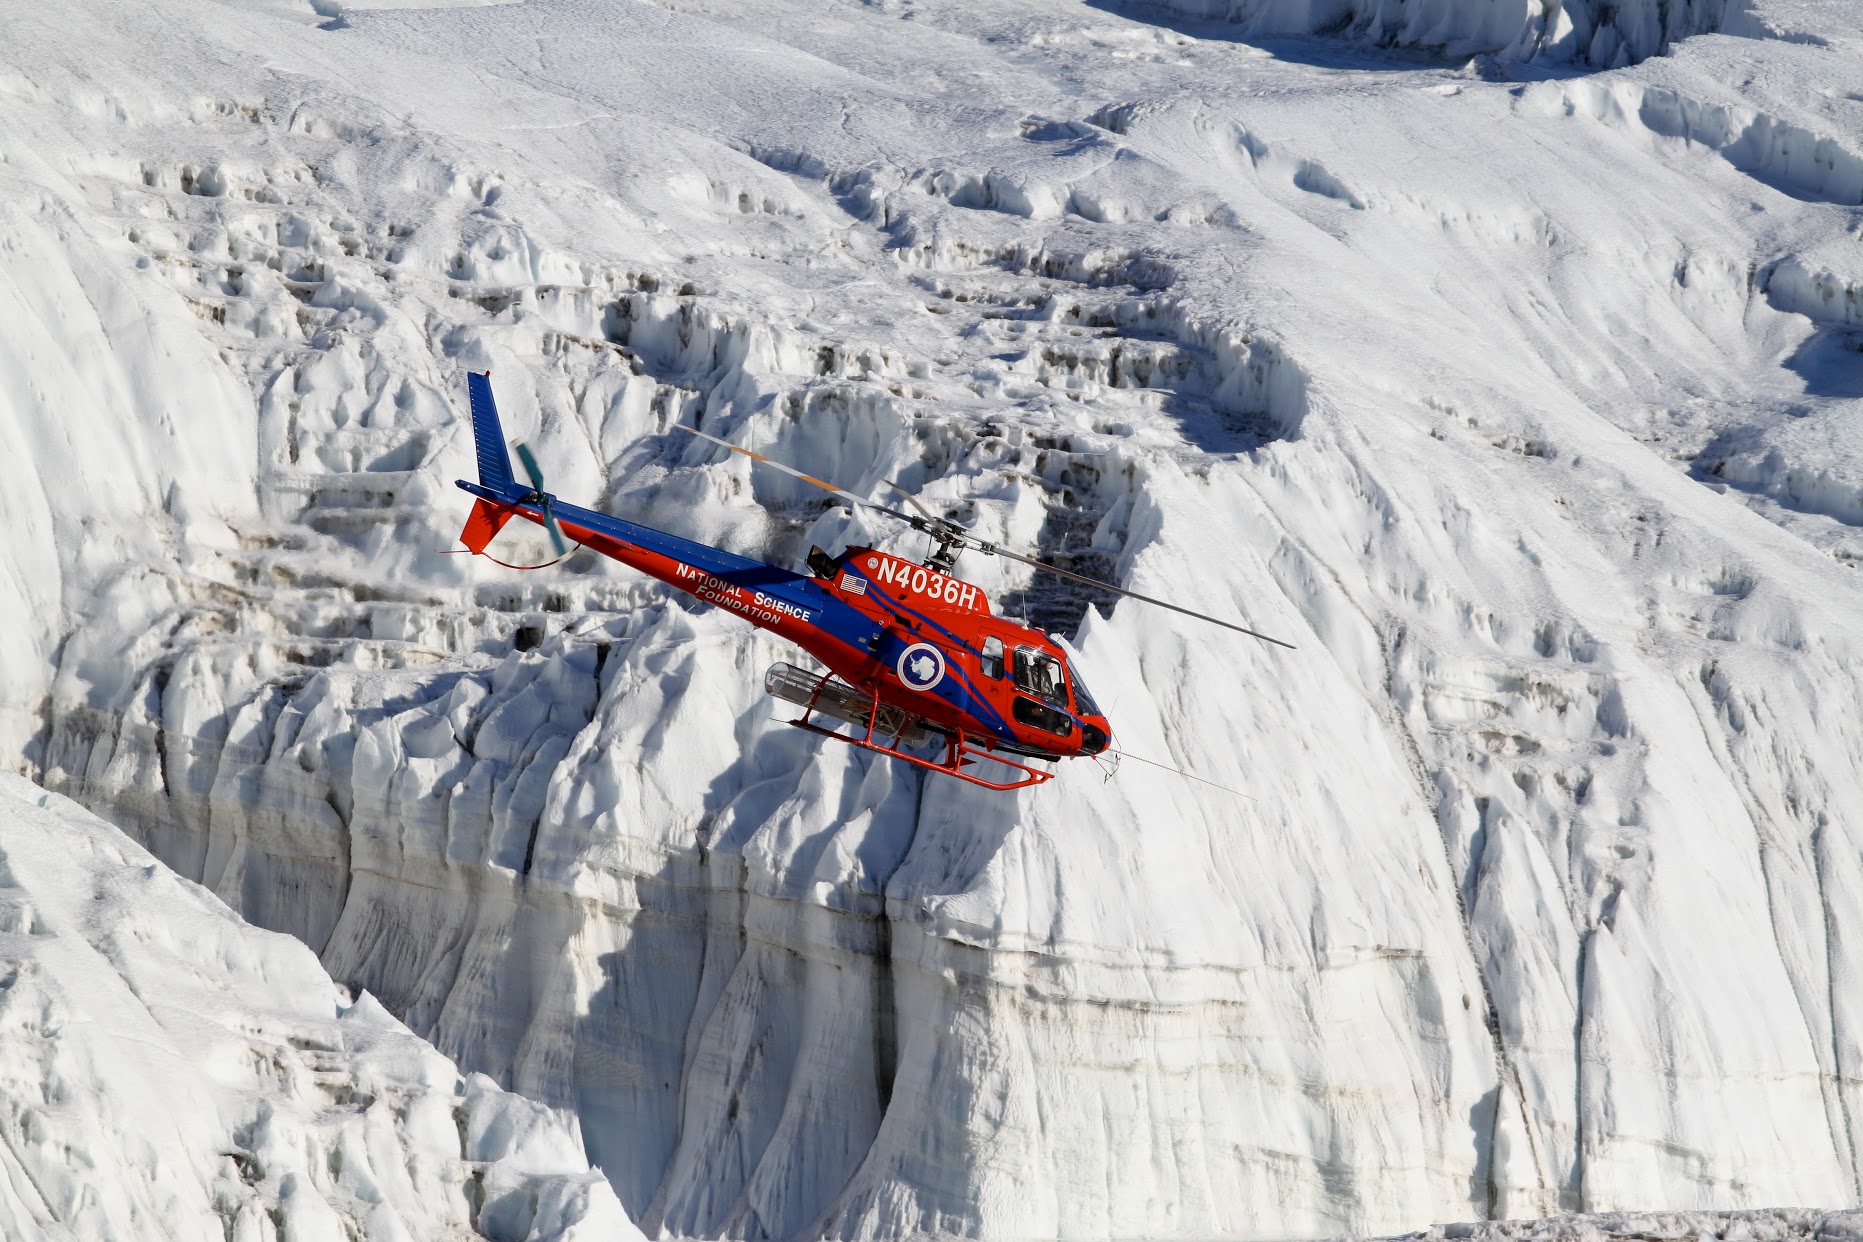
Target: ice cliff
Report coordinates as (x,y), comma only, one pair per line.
(1520,392)
(1605,34)
(172,1071)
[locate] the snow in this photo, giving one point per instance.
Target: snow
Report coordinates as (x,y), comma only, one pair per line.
(168,1070)
(1509,370)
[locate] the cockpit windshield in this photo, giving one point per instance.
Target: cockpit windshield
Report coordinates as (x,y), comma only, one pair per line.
(1040,674)
(1083,702)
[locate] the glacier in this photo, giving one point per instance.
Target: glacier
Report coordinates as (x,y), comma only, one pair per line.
(1510,369)
(172,1071)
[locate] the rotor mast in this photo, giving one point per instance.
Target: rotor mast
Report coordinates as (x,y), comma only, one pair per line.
(949,542)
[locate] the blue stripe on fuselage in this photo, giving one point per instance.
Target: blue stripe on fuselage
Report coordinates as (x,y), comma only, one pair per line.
(833,617)
(1001,725)
(978,705)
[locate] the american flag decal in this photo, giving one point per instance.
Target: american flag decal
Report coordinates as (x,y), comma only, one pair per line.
(856,586)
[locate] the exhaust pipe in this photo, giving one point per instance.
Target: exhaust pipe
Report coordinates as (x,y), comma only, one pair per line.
(829,696)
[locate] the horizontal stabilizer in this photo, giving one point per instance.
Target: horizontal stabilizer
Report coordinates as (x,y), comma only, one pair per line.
(483,526)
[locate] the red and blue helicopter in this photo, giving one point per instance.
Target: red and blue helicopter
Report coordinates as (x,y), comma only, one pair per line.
(914,656)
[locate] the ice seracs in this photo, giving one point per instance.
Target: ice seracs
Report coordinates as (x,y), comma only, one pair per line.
(168,1070)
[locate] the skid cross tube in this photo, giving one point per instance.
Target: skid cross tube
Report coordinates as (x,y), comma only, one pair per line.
(958,753)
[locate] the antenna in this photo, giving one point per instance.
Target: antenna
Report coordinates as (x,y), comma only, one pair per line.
(1113,750)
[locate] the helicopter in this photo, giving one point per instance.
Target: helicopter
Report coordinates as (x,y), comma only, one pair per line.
(919,668)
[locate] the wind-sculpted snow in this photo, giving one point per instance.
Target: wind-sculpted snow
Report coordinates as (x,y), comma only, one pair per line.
(171,1071)
(1522,408)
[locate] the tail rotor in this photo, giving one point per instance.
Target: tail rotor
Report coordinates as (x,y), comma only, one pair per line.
(543,500)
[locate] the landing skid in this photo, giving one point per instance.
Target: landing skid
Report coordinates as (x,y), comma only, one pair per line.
(958,754)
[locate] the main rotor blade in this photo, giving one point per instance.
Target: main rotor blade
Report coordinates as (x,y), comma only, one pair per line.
(1107,586)
(793,473)
(929,520)
(913,501)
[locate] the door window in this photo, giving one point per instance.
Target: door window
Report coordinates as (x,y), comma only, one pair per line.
(993,657)
(1040,674)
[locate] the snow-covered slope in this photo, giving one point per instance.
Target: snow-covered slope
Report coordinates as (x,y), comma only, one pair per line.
(1521,393)
(169,1071)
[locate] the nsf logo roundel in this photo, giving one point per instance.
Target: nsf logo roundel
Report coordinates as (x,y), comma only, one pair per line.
(921,666)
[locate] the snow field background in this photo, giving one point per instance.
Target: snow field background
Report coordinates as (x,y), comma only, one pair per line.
(1518,390)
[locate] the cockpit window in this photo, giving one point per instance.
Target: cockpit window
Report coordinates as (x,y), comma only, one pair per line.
(1083,702)
(822,565)
(1040,674)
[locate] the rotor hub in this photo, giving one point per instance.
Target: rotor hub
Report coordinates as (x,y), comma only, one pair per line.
(950,539)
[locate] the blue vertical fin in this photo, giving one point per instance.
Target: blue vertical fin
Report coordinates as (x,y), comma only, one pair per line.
(487,436)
